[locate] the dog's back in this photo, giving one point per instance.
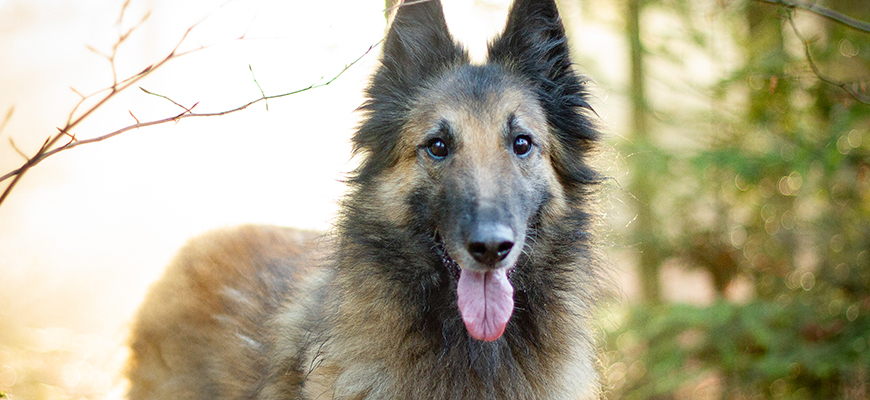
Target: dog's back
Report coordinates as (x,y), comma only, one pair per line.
(205,330)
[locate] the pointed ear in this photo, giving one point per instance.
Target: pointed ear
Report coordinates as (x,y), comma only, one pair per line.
(535,46)
(418,43)
(533,40)
(417,48)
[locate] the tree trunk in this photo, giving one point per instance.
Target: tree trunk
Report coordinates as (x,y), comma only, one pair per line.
(641,186)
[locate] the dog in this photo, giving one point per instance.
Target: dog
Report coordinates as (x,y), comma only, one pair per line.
(463,263)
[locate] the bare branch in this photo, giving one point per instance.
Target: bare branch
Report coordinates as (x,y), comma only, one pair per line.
(848,87)
(53,144)
(42,149)
(825,12)
(73,121)
(48,149)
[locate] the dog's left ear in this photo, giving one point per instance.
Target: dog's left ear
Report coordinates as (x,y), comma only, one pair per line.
(534,45)
(534,41)
(418,44)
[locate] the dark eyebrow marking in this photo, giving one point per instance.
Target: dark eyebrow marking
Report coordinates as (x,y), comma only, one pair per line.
(512,121)
(443,131)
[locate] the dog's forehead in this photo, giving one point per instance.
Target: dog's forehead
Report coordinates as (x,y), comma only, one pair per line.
(482,100)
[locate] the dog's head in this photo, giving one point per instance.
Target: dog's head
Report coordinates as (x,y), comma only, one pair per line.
(477,156)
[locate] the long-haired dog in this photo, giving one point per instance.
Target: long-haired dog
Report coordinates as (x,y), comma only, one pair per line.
(463,262)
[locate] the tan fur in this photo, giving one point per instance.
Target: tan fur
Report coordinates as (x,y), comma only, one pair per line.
(200,305)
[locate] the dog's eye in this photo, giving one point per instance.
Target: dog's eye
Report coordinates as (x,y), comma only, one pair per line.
(437,148)
(522,145)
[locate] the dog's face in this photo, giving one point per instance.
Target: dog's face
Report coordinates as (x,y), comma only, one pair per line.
(476,155)
(479,144)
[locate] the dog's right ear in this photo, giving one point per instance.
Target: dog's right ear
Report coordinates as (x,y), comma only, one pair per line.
(418,44)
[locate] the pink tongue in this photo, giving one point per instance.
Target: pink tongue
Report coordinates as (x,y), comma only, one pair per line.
(486,301)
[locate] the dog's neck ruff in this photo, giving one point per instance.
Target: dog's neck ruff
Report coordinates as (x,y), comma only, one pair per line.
(485,298)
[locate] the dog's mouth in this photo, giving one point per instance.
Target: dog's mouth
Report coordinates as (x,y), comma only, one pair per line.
(485,298)
(449,263)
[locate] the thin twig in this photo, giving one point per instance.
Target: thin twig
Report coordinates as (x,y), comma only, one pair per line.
(825,12)
(72,136)
(846,86)
(258,85)
(8,117)
(17,150)
(123,11)
(277,96)
(167,98)
(77,92)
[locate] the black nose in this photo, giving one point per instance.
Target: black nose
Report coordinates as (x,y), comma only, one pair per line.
(490,244)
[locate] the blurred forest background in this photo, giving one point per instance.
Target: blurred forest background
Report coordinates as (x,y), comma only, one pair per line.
(738,217)
(748,160)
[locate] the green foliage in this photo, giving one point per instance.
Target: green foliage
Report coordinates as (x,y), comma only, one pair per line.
(769,185)
(787,349)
